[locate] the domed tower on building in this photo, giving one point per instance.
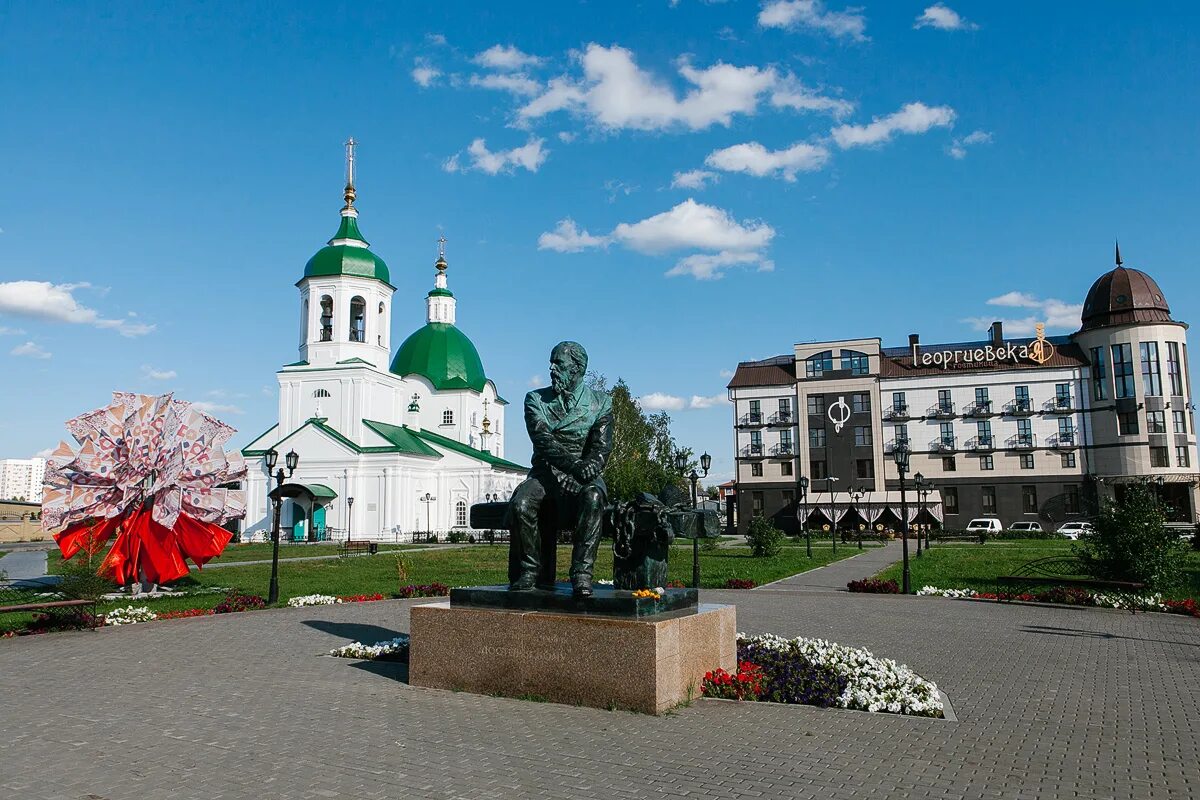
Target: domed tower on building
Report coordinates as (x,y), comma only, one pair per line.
(1142,423)
(384,453)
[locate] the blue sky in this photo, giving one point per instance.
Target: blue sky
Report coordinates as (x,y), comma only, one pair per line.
(679,186)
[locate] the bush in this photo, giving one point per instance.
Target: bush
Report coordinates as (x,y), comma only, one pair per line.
(766,541)
(456,537)
(80,581)
(434,589)
(873,586)
(1132,542)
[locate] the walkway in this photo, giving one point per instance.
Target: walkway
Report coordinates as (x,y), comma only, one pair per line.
(23,565)
(835,576)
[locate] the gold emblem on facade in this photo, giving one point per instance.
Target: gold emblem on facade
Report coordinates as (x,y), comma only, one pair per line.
(1041,350)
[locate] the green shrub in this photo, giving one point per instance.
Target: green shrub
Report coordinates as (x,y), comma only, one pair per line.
(1133,543)
(765,539)
(80,581)
(456,537)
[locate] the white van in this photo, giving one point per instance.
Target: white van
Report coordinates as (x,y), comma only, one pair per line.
(985,525)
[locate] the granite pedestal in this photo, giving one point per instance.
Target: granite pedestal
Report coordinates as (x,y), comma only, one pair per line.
(648,663)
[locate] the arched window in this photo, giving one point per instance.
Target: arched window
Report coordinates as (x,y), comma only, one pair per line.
(818,364)
(358,320)
(381,326)
(858,363)
(322,393)
(304,323)
(460,514)
(326,318)
(447,417)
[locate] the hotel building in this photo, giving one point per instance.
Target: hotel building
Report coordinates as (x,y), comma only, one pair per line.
(1039,429)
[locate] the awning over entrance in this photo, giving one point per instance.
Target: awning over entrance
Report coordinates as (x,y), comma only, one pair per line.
(872,504)
(316,493)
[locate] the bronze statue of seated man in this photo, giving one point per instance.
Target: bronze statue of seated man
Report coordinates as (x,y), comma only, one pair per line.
(570,426)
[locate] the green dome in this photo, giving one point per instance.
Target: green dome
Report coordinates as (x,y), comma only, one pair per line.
(443,354)
(347,259)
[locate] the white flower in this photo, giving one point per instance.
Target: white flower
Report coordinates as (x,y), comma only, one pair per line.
(314,600)
(129,615)
(372,651)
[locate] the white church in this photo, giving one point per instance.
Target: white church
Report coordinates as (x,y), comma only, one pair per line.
(388,446)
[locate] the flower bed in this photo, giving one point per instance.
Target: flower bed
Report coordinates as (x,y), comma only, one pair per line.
(360,598)
(1076,597)
(740,583)
(129,615)
(873,586)
(390,650)
(313,600)
(822,673)
(434,589)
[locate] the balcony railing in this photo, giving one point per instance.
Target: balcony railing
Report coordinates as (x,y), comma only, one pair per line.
(1064,440)
(1020,407)
(981,443)
(751,451)
(1022,441)
(1060,405)
(782,418)
(890,446)
(943,444)
(783,449)
(751,420)
(896,413)
(980,408)
(940,410)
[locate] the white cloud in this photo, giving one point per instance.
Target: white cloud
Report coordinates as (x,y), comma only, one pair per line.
(11,331)
(693,179)
(425,73)
(943,18)
(708,402)
(958,147)
(726,373)
(812,14)
(216,408)
(29,350)
(505,58)
(537,381)
(756,160)
(150,373)
(1054,313)
(567,238)
(436,39)
(49,451)
(529,156)
(711,266)
(911,118)
(55,302)
(519,84)
(658,401)
(791,93)
(566,136)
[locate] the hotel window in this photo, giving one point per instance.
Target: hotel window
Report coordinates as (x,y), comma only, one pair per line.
(460,514)
(987,463)
(1029,502)
(755,411)
(865,468)
(785,409)
(1122,356)
(1179,421)
(858,363)
(817,468)
(816,437)
(1174,369)
(946,434)
(1026,460)
(756,504)
(755,443)
(981,398)
(817,365)
(1127,423)
(860,402)
(902,433)
(1159,457)
(1181,456)
(785,441)
(988,494)
(983,433)
(1151,369)
(1022,398)
(899,406)
(756,470)
(948,464)
(816,404)
(788,497)
(1062,395)
(1071,499)
(1024,433)
(1068,460)
(862,435)
(785,468)
(1156,422)
(1066,432)
(447,417)
(1099,374)
(945,404)
(950,499)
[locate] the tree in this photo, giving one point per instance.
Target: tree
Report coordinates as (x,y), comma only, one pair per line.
(643,454)
(1132,542)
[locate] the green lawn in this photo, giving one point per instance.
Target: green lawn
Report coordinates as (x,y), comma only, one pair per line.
(253,551)
(970,566)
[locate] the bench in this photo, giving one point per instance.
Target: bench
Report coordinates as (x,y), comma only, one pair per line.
(358,547)
(30,596)
(1062,571)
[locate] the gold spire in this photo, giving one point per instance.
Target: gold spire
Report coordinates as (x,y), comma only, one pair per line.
(350,143)
(441,259)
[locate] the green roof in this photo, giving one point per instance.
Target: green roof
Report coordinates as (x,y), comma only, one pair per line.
(442,354)
(467,450)
(402,438)
(440,293)
(356,360)
(320,491)
(347,259)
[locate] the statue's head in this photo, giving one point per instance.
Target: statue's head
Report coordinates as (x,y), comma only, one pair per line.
(568,363)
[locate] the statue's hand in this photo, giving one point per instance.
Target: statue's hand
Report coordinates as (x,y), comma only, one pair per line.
(586,471)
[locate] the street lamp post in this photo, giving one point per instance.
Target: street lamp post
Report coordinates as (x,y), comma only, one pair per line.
(919,481)
(681,462)
(427,499)
(349,517)
(802,486)
(900,456)
(855,495)
(291,460)
(832,514)
(924,488)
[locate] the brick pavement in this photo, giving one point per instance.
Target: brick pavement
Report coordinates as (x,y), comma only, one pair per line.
(1052,703)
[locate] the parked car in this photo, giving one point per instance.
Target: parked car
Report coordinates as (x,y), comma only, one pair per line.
(985,525)
(1026,526)
(1073,530)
